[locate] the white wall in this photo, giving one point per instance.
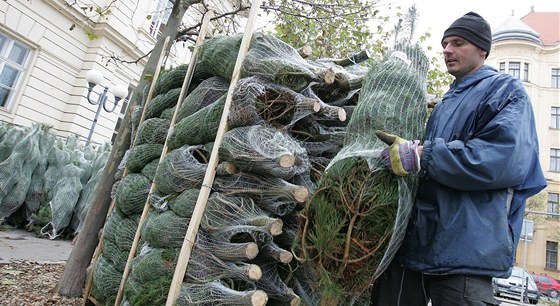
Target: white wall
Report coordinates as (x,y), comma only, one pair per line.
(53,89)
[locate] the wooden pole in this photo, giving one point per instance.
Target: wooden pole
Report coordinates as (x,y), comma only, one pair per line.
(97,253)
(200,206)
(153,85)
(147,205)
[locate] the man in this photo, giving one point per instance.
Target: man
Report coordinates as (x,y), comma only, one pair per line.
(477,166)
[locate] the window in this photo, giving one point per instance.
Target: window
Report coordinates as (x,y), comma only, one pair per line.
(555,78)
(552,207)
(555,160)
(13,59)
(160,16)
(526,72)
(551,255)
(555,117)
(502,67)
(514,69)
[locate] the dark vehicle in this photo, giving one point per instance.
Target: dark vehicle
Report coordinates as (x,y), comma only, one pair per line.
(547,285)
(519,284)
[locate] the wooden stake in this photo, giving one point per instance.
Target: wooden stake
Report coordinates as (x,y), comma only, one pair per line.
(97,253)
(147,205)
(200,206)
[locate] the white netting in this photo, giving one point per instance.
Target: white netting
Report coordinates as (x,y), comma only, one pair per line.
(183,204)
(206,93)
(35,192)
(218,293)
(162,102)
(280,63)
(238,219)
(150,169)
(165,230)
(272,194)
(106,281)
(258,101)
(198,128)
(205,266)
(132,193)
(182,169)
(66,194)
(114,254)
(16,171)
(141,155)
(274,285)
(99,159)
(153,130)
(12,135)
(393,98)
(224,249)
(264,150)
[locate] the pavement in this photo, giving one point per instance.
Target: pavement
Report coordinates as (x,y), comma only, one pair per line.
(19,244)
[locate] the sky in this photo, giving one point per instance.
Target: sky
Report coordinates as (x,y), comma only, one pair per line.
(435,16)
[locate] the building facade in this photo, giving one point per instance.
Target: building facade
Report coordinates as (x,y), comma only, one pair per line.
(529,48)
(48,46)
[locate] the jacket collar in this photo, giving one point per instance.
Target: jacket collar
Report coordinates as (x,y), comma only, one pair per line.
(483,72)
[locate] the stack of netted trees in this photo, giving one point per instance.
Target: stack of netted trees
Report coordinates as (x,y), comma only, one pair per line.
(286,123)
(47,183)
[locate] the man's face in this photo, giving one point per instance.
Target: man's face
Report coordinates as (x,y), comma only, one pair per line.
(461,56)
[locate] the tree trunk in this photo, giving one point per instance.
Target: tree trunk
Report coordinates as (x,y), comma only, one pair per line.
(74,276)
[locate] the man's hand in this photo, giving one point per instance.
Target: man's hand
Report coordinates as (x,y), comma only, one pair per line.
(401,157)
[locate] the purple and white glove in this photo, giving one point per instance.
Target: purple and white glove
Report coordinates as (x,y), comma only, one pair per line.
(401,157)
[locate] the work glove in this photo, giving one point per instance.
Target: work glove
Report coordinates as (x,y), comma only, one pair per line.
(401,157)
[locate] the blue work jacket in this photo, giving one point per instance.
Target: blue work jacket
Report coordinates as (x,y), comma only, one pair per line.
(480,163)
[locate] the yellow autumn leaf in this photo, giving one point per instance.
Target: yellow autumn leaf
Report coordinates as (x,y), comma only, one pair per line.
(13,272)
(8,282)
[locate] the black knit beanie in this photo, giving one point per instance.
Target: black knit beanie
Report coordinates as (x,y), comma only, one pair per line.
(473,28)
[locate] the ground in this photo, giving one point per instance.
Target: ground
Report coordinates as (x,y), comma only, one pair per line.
(32,283)
(30,269)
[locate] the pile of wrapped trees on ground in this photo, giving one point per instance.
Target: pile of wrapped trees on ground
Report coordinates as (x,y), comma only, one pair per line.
(286,123)
(47,183)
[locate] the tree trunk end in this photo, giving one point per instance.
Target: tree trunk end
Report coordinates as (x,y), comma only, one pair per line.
(254,272)
(286,160)
(259,298)
(276,227)
(300,194)
(305,51)
(252,250)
